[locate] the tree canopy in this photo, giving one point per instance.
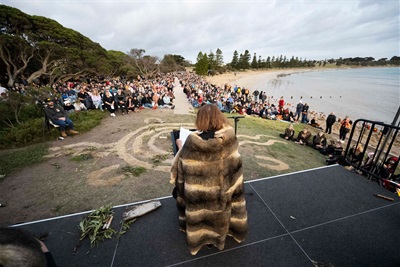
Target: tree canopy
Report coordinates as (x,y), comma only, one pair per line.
(46,49)
(36,48)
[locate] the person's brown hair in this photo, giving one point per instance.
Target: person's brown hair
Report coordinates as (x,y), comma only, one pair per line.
(210,118)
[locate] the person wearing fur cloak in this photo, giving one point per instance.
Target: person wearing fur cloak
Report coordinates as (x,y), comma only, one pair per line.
(208,176)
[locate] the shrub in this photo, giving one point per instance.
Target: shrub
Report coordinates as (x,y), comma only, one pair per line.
(16,159)
(34,130)
(27,133)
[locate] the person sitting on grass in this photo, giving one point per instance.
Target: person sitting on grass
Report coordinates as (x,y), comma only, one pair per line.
(195,102)
(79,106)
(120,101)
(68,106)
(147,101)
(334,152)
(162,104)
(97,99)
(287,115)
(84,97)
(354,156)
(303,138)
(109,102)
(59,116)
(314,123)
(130,105)
(319,141)
(167,100)
(289,133)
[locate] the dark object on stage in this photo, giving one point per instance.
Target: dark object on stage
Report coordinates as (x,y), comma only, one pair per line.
(236,119)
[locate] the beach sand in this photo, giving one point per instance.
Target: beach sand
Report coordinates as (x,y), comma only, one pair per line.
(250,78)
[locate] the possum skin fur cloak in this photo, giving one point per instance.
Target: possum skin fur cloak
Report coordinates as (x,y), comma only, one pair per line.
(208,176)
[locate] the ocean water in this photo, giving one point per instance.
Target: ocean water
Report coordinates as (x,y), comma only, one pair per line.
(367,93)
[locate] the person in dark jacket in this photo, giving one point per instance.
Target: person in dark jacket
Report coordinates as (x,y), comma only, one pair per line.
(304,114)
(303,138)
(120,101)
(319,141)
(289,133)
(59,116)
(299,110)
(330,120)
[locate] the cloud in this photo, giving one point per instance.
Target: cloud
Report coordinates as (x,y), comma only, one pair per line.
(304,29)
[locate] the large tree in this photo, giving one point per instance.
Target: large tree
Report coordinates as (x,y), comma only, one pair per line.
(33,47)
(235,60)
(121,64)
(212,63)
(254,63)
(145,65)
(219,58)
(201,66)
(244,60)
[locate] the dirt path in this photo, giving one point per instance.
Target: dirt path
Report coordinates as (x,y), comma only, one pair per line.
(61,185)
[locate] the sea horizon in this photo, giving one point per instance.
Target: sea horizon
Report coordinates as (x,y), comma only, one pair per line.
(360,93)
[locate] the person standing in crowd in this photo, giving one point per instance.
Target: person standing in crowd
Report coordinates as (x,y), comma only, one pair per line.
(264,97)
(59,116)
(330,120)
(281,103)
(256,93)
(299,110)
(345,127)
(210,192)
(304,113)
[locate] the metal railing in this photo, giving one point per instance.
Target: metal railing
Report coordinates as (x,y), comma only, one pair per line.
(380,143)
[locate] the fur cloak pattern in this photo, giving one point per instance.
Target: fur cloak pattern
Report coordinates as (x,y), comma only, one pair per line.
(208,176)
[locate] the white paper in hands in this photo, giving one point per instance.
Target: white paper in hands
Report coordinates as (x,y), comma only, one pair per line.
(183,134)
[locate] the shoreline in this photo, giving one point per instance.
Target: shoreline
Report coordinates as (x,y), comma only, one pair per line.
(259,79)
(242,78)
(250,78)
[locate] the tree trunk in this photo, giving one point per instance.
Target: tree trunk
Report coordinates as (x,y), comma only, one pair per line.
(40,72)
(10,81)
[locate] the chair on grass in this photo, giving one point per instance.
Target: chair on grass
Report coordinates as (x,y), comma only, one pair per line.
(49,124)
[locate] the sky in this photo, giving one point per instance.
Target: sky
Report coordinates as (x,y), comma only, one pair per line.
(311,29)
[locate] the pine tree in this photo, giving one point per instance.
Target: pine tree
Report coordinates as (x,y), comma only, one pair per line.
(212,63)
(254,63)
(241,62)
(235,60)
(219,58)
(260,62)
(246,59)
(201,66)
(268,63)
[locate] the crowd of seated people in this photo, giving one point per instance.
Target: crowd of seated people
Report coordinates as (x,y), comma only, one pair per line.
(131,96)
(232,99)
(116,96)
(238,100)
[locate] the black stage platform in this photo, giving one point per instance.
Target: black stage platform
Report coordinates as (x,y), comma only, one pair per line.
(326,215)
